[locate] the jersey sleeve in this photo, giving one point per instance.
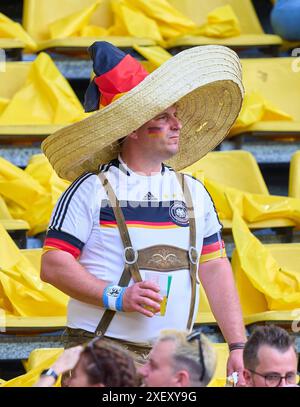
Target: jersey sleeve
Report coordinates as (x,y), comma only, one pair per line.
(73,216)
(213,244)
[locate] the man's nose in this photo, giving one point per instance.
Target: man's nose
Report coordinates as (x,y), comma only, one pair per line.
(176,123)
(283,382)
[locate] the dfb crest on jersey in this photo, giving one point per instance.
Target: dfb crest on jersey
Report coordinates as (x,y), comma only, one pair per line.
(179,214)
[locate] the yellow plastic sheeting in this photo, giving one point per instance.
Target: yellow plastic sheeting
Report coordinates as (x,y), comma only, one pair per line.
(41,170)
(204,314)
(30,195)
(136,18)
(255,108)
(4,212)
(39,360)
(251,35)
(219,377)
(133,22)
(3,104)
(221,167)
(39,356)
(155,55)
(12,30)
(45,98)
(12,80)
(253,207)
(294,178)
(22,293)
(7,221)
(222,22)
(229,189)
(277,279)
(277,84)
(171,22)
(80,21)
(74,23)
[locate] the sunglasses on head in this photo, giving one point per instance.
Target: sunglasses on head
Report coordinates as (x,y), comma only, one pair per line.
(196,335)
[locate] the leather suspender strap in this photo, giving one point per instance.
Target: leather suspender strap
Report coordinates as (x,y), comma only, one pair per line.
(193,254)
(128,249)
(130,270)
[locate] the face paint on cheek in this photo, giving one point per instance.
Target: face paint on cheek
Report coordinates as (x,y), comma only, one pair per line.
(155,131)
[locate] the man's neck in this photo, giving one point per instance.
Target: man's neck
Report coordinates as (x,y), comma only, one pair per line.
(141,165)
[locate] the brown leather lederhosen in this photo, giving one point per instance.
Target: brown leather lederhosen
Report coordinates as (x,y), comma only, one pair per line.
(158,258)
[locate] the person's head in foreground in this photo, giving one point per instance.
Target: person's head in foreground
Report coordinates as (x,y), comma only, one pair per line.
(179,359)
(97,364)
(270,358)
(103,365)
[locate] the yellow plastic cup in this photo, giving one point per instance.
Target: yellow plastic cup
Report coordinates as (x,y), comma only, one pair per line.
(164,282)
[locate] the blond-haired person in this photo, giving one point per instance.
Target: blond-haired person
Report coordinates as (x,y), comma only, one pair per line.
(179,359)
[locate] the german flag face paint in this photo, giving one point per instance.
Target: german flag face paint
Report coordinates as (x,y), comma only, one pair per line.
(156,131)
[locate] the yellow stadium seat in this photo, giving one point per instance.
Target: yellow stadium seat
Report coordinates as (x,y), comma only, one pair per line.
(253,302)
(294,178)
(17,228)
(278,83)
(18,324)
(34,256)
(39,360)
(38,14)
(221,166)
(12,81)
(12,47)
(219,378)
(252,34)
(204,314)
(14,224)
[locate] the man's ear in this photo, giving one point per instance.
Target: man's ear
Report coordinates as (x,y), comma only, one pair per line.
(133,135)
(248,377)
(182,378)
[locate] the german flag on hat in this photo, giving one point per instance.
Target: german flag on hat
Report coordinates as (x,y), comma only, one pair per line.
(115,74)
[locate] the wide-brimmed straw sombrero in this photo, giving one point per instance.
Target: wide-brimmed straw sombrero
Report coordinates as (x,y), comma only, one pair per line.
(204,82)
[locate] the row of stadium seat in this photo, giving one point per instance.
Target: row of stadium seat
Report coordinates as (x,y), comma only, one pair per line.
(217,171)
(49,313)
(38,15)
(270,108)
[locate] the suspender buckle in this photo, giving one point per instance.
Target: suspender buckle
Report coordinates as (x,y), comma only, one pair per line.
(131,255)
(193,255)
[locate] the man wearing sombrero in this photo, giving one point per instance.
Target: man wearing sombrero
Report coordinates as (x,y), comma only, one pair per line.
(129,222)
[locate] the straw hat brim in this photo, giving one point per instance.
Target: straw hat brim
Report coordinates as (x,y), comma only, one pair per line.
(204,82)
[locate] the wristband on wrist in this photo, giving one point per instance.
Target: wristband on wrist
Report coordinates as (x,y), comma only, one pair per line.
(236,345)
(49,372)
(113,297)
